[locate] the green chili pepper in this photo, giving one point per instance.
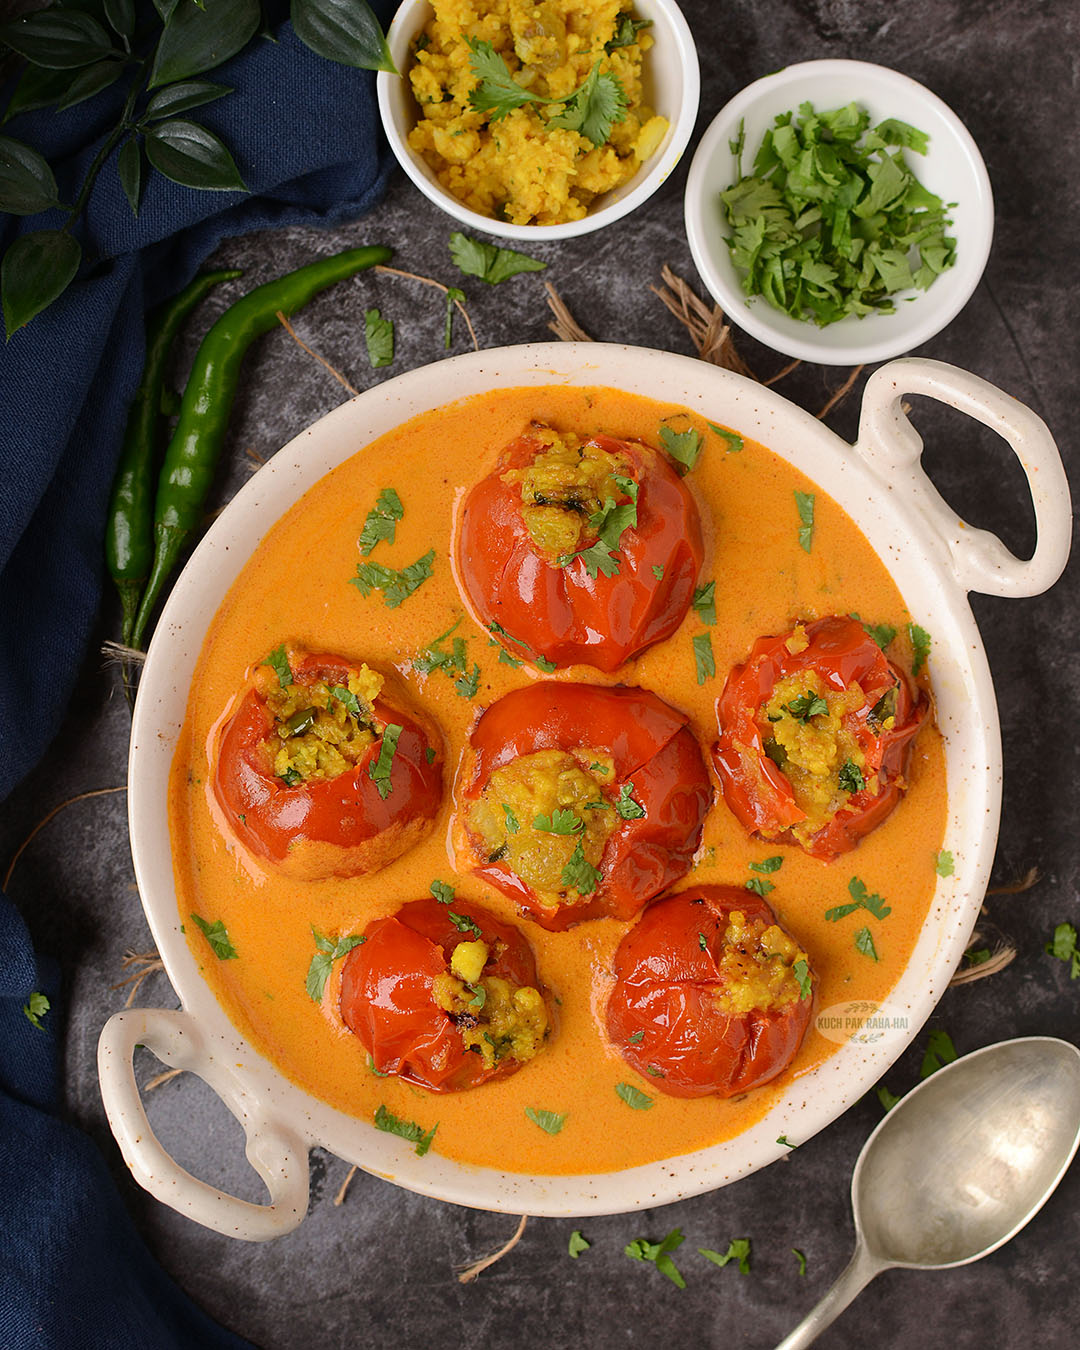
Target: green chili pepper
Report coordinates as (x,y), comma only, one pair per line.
(129,534)
(300,721)
(192,455)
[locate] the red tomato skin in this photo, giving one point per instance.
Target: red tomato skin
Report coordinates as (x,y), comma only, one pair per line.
(757,791)
(563,614)
(664,985)
(387,1000)
(651,745)
(360,830)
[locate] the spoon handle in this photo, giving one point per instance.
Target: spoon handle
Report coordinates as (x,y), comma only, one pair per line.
(858,1273)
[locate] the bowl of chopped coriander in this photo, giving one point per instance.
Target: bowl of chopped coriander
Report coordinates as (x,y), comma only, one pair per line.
(544,123)
(839,212)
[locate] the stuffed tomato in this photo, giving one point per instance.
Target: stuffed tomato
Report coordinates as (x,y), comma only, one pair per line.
(445,995)
(815,729)
(579,550)
(321,771)
(581,801)
(711,995)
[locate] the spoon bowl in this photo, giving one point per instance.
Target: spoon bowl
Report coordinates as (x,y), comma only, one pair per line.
(959,1165)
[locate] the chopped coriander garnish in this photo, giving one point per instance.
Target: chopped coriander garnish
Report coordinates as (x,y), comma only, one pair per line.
(734,441)
(705,602)
(626,31)
(278,661)
(850,777)
(626,807)
(545,665)
(381,521)
(326,954)
(561,821)
(659,1253)
(291,777)
(806,706)
(551,1122)
(703,942)
(348,700)
(35,1008)
(804,503)
(783,1139)
(658,571)
(633,1096)
(635,1038)
(396,586)
(217,937)
(704,660)
(939,1052)
(466,686)
(801,971)
(464,924)
(920,647)
(608,523)
(759,886)
(943,864)
(577,1244)
(800,1258)
(879,633)
(380,768)
(980,957)
(379,337)
(441,891)
(768,865)
(429,753)
(579,873)
(479,996)
(684,447)
(864,943)
(738,1250)
(379,1073)
(874,903)
(406,1129)
(489,262)
(887,1099)
(512,822)
(1063,946)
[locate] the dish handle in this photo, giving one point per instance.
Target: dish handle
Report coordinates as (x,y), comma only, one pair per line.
(893,449)
(278,1156)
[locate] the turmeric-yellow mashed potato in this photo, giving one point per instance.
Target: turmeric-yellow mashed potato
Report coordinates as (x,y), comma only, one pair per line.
(517,168)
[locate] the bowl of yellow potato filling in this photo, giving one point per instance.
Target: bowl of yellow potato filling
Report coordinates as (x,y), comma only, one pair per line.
(557,117)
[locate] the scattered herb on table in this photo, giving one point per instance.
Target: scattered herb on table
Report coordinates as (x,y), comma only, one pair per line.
(405,1129)
(326,953)
(379,338)
(939,1052)
(800,1258)
(551,1122)
(35,1008)
(1063,946)
(577,1244)
(395,585)
(684,447)
(887,1099)
(979,956)
(217,936)
(738,1250)
(454,296)
(380,768)
(489,262)
(659,1253)
(381,522)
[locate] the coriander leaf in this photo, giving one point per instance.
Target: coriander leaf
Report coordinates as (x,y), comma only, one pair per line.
(348,701)
(561,821)
(734,441)
(381,521)
(579,874)
(801,971)
(496,93)
(839,912)
(887,1099)
(326,954)
(626,807)
(864,943)
(1063,946)
(658,571)
(545,665)
(943,864)
(705,602)
(783,1139)
(551,1122)
(278,662)
(633,1096)
(379,337)
(806,706)
(804,502)
(512,822)
(641,1249)
(464,924)
(489,262)
(738,1250)
(920,647)
(479,995)
(406,1129)
(684,447)
(703,657)
(850,777)
(396,586)
(977,958)
(801,1260)
(759,886)
(874,903)
(626,31)
(35,1008)
(593,109)
(466,686)
(881,633)
(703,942)
(217,937)
(939,1052)
(578,1244)
(442,892)
(379,1073)
(379,769)
(769,865)
(597,559)
(635,1038)
(291,777)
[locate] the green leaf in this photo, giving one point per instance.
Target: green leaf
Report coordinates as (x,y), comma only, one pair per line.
(684,447)
(939,1052)
(348,700)
(121,16)
(35,1008)
(887,1099)
(36,269)
(864,943)
(633,1096)
(382,519)
(800,1258)
(804,502)
(379,337)
(806,706)
(578,1244)
(768,865)
(635,1038)
(659,1253)
(467,685)
(405,1129)
(783,1139)
(199,37)
(703,657)
(396,586)
(489,262)
(496,93)
(943,864)
(850,777)
(322,962)
(658,571)
(464,924)
(548,667)
(551,1122)
(734,441)
(801,971)
(59,39)
(738,1250)
(379,770)
(345,31)
(512,823)
(217,937)
(920,647)
(278,661)
(90,81)
(626,31)
(453,297)
(1063,946)
(182,97)
(705,602)
(865,900)
(27,184)
(165,9)
(759,886)
(37,87)
(579,873)
(561,821)
(188,154)
(626,807)
(442,892)
(593,109)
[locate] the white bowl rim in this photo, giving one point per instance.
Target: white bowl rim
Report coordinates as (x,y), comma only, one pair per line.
(801,339)
(652,174)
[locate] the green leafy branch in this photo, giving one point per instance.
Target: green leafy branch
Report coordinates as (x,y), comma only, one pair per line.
(72,54)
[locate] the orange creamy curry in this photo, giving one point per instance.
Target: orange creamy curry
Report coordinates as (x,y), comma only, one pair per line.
(295,589)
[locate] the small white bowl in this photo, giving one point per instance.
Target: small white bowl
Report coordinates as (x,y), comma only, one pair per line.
(672,85)
(952,168)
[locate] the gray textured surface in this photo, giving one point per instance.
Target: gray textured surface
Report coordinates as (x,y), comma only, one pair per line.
(378,1270)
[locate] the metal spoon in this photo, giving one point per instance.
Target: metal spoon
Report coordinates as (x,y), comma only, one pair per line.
(959,1166)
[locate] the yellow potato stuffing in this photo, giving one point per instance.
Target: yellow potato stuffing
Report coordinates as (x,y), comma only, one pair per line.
(518,168)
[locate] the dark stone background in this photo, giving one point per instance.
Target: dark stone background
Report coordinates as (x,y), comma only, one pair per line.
(378,1271)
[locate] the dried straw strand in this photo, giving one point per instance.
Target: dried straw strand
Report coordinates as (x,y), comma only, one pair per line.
(469,1273)
(339,1199)
(1030,878)
(842,392)
(565,327)
(147,962)
(311,352)
(161,1078)
(79,797)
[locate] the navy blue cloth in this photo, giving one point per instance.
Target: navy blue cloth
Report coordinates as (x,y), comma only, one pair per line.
(304,131)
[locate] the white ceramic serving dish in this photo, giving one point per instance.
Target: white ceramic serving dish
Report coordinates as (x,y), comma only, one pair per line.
(672,85)
(934,557)
(952,167)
